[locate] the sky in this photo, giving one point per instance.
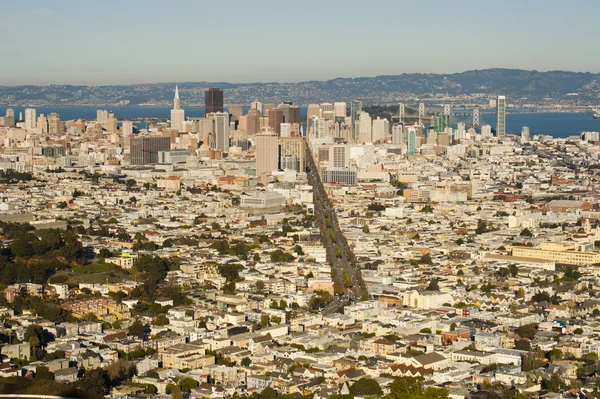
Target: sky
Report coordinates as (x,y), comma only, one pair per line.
(147,41)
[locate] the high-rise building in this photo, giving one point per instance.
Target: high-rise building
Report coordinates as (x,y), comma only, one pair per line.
(253,121)
(486,131)
(222,131)
(318,127)
(525,134)
(267,152)
(127,128)
(381,128)
(397,135)
(355,111)
(275,119)
(177,114)
(365,127)
(55,125)
(312,110)
(339,110)
(292,152)
(286,130)
(412,141)
(214,100)
(291,112)
(9,118)
(42,123)
(101,116)
(30,119)
(257,105)
(145,149)
(235,110)
(111,123)
(339,156)
(501,116)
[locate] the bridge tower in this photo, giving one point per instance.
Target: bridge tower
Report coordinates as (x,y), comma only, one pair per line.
(446,109)
(476,117)
(401,113)
(421,111)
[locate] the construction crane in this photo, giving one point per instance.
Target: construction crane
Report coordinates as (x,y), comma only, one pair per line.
(597,112)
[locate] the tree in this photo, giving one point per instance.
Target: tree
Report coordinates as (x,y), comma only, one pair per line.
(42,373)
(366,229)
(554,354)
(433,285)
(130,183)
(137,329)
(120,371)
(246,362)
(425,330)
(426,260)
(554,383)
(527,331)
(526,233)
(366,387)
(259,286)
(187,384)
(268,393)
(523,345)
(578,331)
(95,381)
(347,279)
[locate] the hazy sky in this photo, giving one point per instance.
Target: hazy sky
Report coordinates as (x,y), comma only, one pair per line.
(137,41)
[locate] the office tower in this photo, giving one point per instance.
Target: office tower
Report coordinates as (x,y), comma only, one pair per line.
(339,110)
(144,150)
(111,123)
(222,131)
(267,155)
(365,126)
(55,125)
(312,111)
(293,150)
(42,123)
(318,127)
(476,117)
(339,156)
(275,119)
(177,114)
(257,105)
(291,112)
(295,130)
(253,121)
(266,109)
(381,128)
(486,131)
(397,135)
(9,119)
(446,109)
(30,119)
(235,110)
(421,113)
(101,116)
(355,110)
(432,137)
(501,117)
(127,128)
(286,130)
(525,134)
(324,107)
(412,141)
(214,100)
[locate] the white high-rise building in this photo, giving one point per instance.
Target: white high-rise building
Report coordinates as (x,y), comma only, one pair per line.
(101,116)
(339,110)
(525,134)
(381,128)
(365,127)
(501,116)
(285,130)
(222,131)
(339,156)
(312,111)
(177,114)
(257,105)
(30,119)
(397,135)
(319,127)
(127,128)
(486,132)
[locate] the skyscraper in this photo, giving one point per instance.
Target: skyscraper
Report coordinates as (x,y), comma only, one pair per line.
(222,131)
(339,110)
(111,123)
(214,100)
(275,119)
(42,123)
(312,110)
(525,134)
(318,127)
(30,119)
(55,125)
(397,135)
(127,128)
(9,119)
(253,121)
(177,114)
(267,154)
(144,150)
(294,150)
(365,127)
(501,116)
(355,110)
(381,128)
(101,115)
(412,141)
(257,105)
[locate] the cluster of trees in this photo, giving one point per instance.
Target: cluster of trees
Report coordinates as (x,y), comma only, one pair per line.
(34,256)
(12,176)
(236,248)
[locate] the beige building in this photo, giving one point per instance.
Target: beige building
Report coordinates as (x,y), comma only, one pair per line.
(266,152)
(559,253)
(293,153)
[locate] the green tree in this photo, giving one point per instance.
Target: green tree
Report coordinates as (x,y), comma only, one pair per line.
(42,373)
(268,393)
(347,279)
(187,384)
(433,285)
(96,381)
(246,362)
(137,329)
(366,387)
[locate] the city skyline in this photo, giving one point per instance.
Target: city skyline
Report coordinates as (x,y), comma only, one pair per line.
(465,38)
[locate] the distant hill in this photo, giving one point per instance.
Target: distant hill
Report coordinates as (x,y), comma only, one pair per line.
(519,85)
